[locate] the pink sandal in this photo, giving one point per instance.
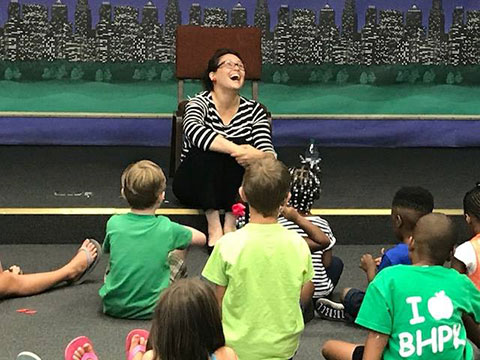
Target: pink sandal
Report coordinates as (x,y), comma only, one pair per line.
(130,354)
(75,344)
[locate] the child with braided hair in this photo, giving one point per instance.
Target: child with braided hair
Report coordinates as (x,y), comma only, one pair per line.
(466,257)
(305,189)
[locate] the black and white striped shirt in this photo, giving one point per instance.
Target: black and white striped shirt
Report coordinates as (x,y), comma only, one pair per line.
(202,124)
(323,284)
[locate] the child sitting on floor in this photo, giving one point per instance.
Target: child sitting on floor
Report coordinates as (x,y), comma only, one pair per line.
(409,204)
(142,246)
(262,271)
(305,189)
(416,311)
(466,255)
(187,325)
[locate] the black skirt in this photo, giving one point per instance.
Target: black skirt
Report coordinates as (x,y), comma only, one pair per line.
(208,180)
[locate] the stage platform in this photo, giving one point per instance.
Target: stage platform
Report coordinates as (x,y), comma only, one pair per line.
(60,194)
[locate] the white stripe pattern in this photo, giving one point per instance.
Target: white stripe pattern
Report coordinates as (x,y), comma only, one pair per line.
(202,124)
(321,281)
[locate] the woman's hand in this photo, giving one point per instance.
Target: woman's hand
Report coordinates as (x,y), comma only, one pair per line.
(246,154)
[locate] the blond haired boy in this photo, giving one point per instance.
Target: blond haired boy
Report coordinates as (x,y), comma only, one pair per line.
(262,271)
(142,246)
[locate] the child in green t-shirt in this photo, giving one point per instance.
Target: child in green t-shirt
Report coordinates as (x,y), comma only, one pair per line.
(415,311)
(143,247)
(262,270)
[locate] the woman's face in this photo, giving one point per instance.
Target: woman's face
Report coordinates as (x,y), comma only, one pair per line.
(230,73)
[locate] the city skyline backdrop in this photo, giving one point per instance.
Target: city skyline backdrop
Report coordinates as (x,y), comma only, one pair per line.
(273,6)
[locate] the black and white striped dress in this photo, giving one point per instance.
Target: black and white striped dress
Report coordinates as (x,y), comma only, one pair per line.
(321,281)
(202,124)
(209,179)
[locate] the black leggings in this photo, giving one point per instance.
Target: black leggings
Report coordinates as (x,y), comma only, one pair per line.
(208,180)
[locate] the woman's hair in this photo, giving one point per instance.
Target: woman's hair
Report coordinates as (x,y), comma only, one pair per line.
(213,66)
(305,189)
(142,184)
(187,324)
(471,202)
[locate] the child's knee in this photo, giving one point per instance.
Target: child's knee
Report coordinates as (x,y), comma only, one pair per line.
(344,293)
(328,348)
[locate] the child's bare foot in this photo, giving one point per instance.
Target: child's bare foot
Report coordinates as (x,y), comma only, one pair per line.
(214,236)
(87,348)
(82,259)
(137,341)
(230,223)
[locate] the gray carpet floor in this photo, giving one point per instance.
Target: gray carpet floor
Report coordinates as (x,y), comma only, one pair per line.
(69,311)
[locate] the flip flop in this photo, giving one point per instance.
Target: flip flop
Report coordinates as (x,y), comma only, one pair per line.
(75,344)
(130,354)
(91,263)
(27,355)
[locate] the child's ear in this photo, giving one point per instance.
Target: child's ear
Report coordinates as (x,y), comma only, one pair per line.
(411,244)
(468,219)
(398,221)
(242,194)
(122,191)
(161,197)
(288,197)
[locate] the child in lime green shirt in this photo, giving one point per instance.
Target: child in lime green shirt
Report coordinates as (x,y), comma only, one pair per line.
(262,271)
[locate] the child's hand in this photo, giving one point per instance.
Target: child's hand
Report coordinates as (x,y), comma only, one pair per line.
(289,213)
(367,262)
(378,260)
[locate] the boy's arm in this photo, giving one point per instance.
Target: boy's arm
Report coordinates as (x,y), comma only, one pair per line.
(318,239)
(375,345)
(219,294)
(472,328)
(198,238)
(458,265)
(367,264)
(306,293)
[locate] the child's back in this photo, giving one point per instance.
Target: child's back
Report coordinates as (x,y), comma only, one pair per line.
(139,244)
(420,307)
(422,317)
(265,268)
(139,269)
(261,269)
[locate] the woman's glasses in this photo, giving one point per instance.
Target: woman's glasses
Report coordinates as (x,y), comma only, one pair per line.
(230,65)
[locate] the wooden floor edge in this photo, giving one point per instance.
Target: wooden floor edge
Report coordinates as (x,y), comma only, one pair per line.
(166,211)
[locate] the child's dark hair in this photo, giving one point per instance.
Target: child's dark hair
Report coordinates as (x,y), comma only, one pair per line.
(187,324)
(415,198)
(142,184)
(471,202)
(435,235)
(305,188)
(266,184)
(213,64)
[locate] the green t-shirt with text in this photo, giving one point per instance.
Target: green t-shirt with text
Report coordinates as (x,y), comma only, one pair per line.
(263,267)
(139,269)
(421,308)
